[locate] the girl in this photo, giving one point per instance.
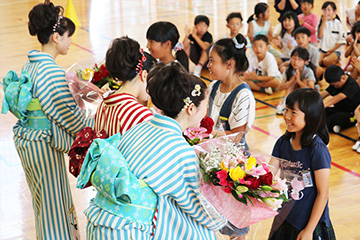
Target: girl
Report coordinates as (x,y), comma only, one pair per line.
(50,124)
(289,22)
(331,35)
(125,108)
(304,144)
(231,104)
(308,19)
(299,74)
(159,156)
(162,38)
(352,16)
(353,50)
(259,22)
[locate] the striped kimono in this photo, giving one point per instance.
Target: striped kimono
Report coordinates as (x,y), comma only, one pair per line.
(42,151)
(158,154)
(118,113)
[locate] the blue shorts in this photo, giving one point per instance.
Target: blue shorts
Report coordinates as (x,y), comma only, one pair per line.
(338,53)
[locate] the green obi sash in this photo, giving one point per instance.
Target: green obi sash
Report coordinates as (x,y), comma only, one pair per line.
(18,100)
(119,191)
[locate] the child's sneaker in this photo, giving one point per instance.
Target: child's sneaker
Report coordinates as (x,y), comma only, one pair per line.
(336,129)
(280,108)
(269,90)
(358,150)
(356,146)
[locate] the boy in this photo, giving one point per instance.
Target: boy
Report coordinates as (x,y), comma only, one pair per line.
(234,23)
(303,37)
(345,94)
(197,42)
(263,74)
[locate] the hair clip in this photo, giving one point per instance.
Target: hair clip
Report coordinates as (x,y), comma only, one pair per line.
(57,23)
(179,46)
(237,44)
(187,102)
(142,59)
(197,91)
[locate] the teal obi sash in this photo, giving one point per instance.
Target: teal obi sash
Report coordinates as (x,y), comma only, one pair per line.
(119,191)
(18,100)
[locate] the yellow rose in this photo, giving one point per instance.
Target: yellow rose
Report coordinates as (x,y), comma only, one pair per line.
(251,162)
(87,74)
(222,166)
(237,173)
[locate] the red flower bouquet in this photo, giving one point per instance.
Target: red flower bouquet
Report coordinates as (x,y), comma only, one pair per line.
(200,134)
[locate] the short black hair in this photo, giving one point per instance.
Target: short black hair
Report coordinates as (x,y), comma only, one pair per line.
(333,74)
(302,30)
(234,15)
(261,37)
(202,18)
(308,1)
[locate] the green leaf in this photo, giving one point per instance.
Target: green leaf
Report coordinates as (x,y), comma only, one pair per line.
(236,196)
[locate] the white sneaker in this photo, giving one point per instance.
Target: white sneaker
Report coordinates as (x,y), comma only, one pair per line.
(269,90)
(280,108)
(358,150)
(336,129)
(356,146)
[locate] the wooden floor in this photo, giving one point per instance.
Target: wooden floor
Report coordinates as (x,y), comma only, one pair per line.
(101,21)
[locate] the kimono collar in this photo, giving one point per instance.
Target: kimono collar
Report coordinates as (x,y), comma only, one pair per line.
(37,56)
(166,123)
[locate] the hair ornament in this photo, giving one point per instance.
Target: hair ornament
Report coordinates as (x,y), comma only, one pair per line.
(237,44)
(179,46)
(187,102)
(142,59)
(197,91)
(57,23)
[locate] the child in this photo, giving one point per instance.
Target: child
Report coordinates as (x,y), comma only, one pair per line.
(353,50)
(125,108)
(356,146)
(352,16)
(263,74)
(231,103)
(259,24)
(234,23)
(297,75)
(309,20)
(162,39)
(287,41)
(162,170)
(48,123)
(345,94)
(304,145)
(331,35)
(283,6)
(302,37)
(197,42)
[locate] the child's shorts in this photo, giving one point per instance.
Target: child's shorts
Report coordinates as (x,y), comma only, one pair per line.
(338,53)
(274,89)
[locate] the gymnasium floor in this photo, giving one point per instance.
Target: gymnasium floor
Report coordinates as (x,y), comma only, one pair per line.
(101,21)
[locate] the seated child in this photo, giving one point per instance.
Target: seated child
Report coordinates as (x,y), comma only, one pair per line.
(263,74)
(309,20)
(345,94)
(302,37)
(353,50)
(352,16)
(297,75)
(234,23)
(197,42)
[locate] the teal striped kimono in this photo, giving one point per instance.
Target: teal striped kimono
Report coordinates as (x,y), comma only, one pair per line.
(158,154)
(42,151)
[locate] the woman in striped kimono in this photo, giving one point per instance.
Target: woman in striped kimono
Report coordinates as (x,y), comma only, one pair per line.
(49,119)
(159,157)
(122,109)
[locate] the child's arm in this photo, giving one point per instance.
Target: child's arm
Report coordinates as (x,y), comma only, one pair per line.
(324,94)
(349,50)
(186,40)
(252,76)
(202,44)
(335,99)
(333,49)
(322,27)
(322,177)
(250,31)
(312,26)
(286,84)
(280,5)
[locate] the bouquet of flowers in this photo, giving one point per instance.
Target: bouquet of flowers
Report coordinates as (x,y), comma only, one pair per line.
(200,134)
(232,180)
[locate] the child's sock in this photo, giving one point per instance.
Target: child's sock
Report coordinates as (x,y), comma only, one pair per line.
(262,89)
(197,70)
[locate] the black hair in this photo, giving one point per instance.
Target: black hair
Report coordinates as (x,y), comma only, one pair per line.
(261,37)
(42,19)
(168,86)
(166,31)
(325,5)
(302,30)
(227,50)
(202,18)
(260,8)
(355,29)
(308,1)
(234,15)
(289,15)
(122,58)
(333,74)
(311,104)
(302,53)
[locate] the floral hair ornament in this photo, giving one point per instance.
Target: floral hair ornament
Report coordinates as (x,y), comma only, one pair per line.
(57,23)
(179,46)
(197,91)
(142,59)
(187,102)
(237,44)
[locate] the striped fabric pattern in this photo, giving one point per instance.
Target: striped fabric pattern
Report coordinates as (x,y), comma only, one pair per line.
(42,151)
(119,112)
(157,153)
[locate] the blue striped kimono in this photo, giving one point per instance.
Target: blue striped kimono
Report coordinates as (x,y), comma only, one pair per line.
(42,151)
(157,153)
